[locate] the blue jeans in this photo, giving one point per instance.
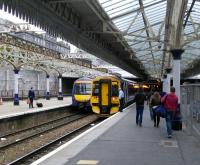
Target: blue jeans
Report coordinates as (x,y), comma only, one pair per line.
(139,114)
(121,105)
(151,113)
(169,118)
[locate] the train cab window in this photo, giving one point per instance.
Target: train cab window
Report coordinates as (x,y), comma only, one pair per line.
(115,91)
(95,91)
(83,88)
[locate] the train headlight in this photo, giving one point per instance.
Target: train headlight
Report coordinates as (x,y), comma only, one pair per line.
(96,97)
(114,98)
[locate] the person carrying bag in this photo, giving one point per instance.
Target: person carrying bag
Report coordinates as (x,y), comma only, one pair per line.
(160,109)
(170,102)
(31,96)
(155,103)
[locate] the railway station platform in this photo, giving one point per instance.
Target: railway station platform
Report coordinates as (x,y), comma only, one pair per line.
(119,141)
(9,110)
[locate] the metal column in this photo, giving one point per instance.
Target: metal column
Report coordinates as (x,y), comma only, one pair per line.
(164,83)
(48,91)
(176,70)
(168,70)
(60,96)
(16,88)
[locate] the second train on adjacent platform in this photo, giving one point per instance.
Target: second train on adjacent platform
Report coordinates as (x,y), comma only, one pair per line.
(81,93)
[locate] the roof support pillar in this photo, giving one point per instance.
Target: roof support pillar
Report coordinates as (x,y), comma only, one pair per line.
(164,83)
(16,86)
(176,53)
(173,28)
(60,95)
(168,70)
(48,88)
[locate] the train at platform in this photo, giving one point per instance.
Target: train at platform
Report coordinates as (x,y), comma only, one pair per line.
(81,93)
(101,94)
(105,94)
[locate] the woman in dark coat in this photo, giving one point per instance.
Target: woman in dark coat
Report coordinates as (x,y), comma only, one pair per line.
(155,101)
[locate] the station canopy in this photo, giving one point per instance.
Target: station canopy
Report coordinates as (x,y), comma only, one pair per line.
(143,25)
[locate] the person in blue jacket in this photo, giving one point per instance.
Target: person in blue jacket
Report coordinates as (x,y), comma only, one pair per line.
(121,99)
(31,96)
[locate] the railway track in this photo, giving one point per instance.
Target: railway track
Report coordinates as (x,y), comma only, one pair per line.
(16,131)
(21,142)
(34,155)
(13,138)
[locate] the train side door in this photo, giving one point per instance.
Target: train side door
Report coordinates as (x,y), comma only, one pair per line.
(105,95)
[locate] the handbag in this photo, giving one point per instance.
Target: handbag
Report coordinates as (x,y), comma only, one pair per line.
(161,111)
(28,101)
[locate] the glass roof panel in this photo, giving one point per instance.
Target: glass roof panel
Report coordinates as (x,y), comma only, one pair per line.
(195,14)
(128,17)
(118,7)
(144,28)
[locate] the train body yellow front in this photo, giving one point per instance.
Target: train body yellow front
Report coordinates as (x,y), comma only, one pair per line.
(81,93)
(104,96)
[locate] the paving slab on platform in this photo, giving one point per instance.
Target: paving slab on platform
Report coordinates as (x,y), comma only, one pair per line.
(9,110)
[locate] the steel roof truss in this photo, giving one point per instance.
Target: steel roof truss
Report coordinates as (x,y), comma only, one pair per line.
(193,25)
(136,36)
(133,21)
(155,24)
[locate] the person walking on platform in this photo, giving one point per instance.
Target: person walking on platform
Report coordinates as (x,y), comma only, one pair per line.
(121,99)
(31,96)
(170,102)
(139,99)
(148,103)
(155,101)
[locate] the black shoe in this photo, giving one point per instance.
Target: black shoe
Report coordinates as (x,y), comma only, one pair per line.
(169,136)
(140,124)
(154,124)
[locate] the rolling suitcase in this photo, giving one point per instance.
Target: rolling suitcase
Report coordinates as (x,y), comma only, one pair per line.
(177,121)
(39,105)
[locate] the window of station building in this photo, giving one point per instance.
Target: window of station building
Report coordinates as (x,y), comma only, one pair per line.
(83,88)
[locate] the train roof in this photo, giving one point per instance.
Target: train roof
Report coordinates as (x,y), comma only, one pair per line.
(115,77)
(127,80)
(104,77)
(84,79)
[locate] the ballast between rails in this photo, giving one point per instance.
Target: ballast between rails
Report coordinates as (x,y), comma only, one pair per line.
(45,147)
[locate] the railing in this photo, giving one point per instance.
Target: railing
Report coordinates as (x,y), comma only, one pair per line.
(190,108)
(23,94)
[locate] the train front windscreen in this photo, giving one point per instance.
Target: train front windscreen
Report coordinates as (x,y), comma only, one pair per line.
(82,88)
